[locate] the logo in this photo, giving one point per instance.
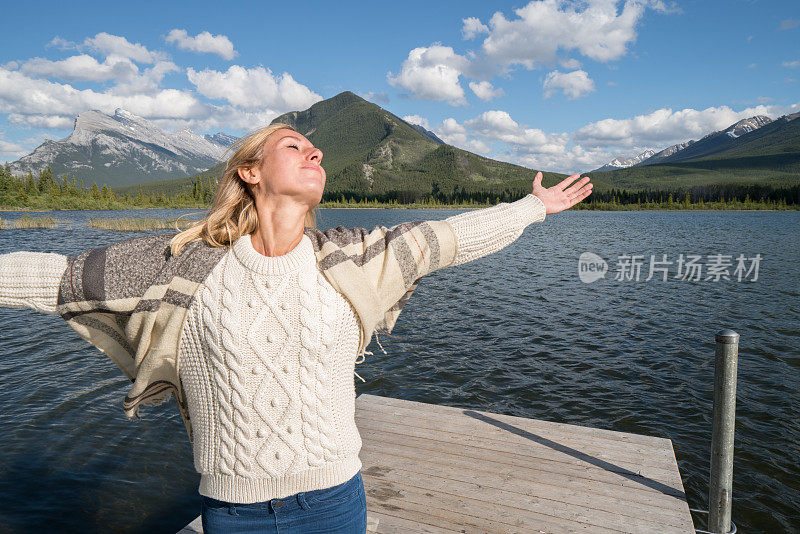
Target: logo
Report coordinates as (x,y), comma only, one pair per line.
(591,267)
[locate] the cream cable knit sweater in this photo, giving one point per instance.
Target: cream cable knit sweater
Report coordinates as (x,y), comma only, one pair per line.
(267,355)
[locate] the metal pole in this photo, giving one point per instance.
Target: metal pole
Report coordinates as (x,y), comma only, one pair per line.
(721,477)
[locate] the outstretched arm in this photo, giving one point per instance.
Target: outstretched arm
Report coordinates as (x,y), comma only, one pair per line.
(484,231)
(31,280)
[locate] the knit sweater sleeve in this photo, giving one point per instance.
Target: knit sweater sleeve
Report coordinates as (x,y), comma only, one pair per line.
(484,231)
(31,280)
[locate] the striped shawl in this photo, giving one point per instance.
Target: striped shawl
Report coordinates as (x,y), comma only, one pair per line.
(130,299)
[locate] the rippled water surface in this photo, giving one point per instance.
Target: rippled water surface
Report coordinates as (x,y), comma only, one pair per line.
(515,332)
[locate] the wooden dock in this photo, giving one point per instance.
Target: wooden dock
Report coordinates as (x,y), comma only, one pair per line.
(440,469)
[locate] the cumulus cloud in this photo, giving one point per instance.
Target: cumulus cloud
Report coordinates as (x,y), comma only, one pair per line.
(542,28)
(432,73)
(665,127)
(203,42)
(473,27)
(253,88)
(453,133)
(594,144)
(485,90)
(84,67)
(10,151)
(111,45)
(539,34)
(573,84)
(419,121)
(38,102)
(79,68)
(570,63)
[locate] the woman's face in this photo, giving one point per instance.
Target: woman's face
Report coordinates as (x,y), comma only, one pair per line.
(290,167)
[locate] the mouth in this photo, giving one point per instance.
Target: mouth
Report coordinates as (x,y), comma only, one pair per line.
(312,167)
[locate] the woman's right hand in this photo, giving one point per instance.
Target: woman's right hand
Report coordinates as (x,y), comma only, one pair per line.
(560,197)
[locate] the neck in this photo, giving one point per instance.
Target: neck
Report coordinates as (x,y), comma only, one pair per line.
(280,229)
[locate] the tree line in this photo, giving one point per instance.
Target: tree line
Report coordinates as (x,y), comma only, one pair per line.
(45,191)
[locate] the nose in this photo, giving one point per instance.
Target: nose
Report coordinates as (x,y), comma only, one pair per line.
(315,155)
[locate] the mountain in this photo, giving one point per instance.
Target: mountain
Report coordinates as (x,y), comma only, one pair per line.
(123,149)
(666,153)
(708,145)
(221,139)
(621,163)
(741,154)
(369,151)
(427,133)
(714,142)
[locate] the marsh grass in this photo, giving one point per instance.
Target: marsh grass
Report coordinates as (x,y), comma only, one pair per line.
(141,224)
(26,221)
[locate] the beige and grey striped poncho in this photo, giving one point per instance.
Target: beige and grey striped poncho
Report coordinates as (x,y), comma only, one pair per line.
(130,299)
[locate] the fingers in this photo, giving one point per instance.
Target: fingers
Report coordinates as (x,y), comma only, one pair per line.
(566,181)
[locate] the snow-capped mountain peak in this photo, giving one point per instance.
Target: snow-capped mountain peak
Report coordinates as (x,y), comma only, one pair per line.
(114,148)
(623,163)
(747,125)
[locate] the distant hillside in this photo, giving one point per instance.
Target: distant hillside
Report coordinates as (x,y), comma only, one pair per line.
(371,152)
(768,155)
(123,149)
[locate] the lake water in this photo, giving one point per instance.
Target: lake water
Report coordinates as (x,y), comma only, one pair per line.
(516,332)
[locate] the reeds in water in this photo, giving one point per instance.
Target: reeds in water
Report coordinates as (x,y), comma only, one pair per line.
(26,221)
(141,224)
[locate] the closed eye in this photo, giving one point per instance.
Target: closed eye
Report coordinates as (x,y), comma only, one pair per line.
(293,146)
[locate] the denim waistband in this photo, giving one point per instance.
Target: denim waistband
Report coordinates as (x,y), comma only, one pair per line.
(304,500)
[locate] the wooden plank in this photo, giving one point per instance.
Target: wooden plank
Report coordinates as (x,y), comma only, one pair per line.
(522,479)
(497,438)
(385,523)
(644,478)
(534,446)
(366,401)
(475,460)
(489,492)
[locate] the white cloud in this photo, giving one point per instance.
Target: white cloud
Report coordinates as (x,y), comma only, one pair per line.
(453,133)
(416,119)
(570,63)
(38,102)
(203,42)
(573,84)
(111,46)
(791,64)
(665,127)
(10,151)
(253,88)
(594,144)
(542,28)
(119,46)
(473,27)
(485,91)
(81,68)
(432,73)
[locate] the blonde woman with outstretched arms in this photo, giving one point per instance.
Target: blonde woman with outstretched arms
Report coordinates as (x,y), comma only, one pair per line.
(253,319)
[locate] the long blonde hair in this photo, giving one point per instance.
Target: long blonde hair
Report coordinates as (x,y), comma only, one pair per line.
(233,211)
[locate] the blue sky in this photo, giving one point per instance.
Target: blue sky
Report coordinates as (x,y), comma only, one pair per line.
(551,85)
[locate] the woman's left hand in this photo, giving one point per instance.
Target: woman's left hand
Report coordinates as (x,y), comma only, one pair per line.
(560,197)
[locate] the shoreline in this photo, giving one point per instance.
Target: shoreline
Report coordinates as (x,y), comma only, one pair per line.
(27,210)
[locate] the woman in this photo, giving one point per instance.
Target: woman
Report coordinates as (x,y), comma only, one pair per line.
(253,319)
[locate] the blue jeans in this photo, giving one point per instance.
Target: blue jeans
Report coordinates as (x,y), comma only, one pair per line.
(340,509)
